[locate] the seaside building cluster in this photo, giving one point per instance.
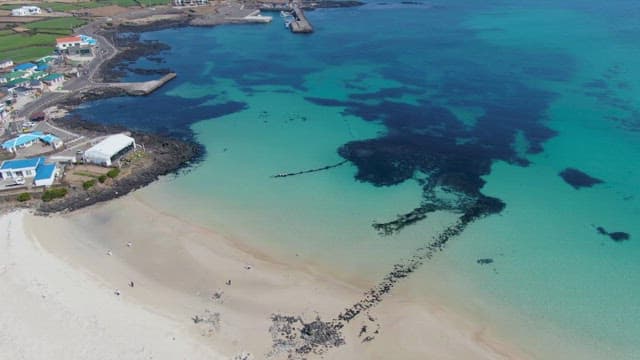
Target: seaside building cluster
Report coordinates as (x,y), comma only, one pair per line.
(35,167)
(34,152)
(31,79)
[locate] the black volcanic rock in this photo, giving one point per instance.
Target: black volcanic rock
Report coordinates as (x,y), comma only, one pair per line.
(578,179)
(617,236)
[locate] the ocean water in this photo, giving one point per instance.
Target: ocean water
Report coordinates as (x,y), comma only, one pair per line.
(441,104)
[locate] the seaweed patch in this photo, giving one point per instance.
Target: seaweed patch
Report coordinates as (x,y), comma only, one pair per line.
(485,261)
(430,139)
(617,236)
(578,179)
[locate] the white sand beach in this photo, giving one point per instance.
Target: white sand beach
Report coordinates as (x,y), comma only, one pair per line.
(58,276)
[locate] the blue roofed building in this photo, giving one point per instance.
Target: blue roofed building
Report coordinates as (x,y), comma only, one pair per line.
(25,67)
(42,66)
(22,141)
(26,140)
(11,169)
(52,140)
(43,174)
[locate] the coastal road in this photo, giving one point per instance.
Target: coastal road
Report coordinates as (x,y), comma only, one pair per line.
(46,100)
(104,52)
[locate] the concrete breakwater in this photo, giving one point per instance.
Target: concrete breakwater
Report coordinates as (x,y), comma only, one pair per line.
(300,24)
(139,88)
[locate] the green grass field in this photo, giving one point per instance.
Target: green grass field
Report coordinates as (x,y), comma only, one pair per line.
(90,4)
(147,3)
(40,41)
(27,54)
(17,41)
(63,23)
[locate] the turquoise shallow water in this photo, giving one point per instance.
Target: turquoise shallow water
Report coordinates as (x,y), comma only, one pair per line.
(508,94)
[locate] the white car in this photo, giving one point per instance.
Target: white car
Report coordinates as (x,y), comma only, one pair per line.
(19,180)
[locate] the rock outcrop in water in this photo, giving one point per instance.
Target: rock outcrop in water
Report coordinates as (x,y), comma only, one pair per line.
(309,171)
(617,236)
(578,179)
(431,140)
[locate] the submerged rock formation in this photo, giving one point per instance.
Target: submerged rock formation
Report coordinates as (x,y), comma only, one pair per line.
(578,179)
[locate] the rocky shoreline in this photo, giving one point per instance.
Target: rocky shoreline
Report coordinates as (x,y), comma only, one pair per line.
(130,49)
(167,156)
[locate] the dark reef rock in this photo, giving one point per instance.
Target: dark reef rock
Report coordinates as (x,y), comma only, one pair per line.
(131,50)
(486,261)
(140,71)
(292,335)
(578,179)
(295,173)
(429,139)
(617,236)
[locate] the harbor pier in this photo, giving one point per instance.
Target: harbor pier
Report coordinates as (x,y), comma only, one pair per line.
(139,88)
(300,24)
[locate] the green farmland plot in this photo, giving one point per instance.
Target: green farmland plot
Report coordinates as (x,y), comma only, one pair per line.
(27,54)
(55,6)
(62,23)
(39,41)
(17,41)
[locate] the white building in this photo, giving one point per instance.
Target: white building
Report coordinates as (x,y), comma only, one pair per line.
(26,11)
(189,2)
(66,42)
(6,64)
(4,114)
(107,150)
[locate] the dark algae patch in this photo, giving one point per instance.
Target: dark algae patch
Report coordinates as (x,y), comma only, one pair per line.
(617,236)
(485,261)
(430,139)
(578,179)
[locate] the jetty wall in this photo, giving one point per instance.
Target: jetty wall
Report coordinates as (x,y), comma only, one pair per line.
(142,88)
(300,24)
